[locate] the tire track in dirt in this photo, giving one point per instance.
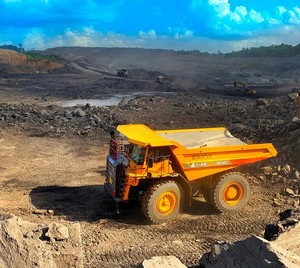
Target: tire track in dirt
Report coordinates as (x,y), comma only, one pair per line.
(5,150)
(127,241)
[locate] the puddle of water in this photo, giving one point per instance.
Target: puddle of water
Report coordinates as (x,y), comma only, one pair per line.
(106,102)
(94,102)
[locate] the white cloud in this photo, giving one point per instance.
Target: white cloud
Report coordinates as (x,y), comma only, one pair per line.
(281,10)
(180,33)
(79,39)
(151,34)
(58,41)
(274,22)
(288,16)
(294,16)
(235,17)
(89,37)
(185,35)
(239,15)
(35,39)
(256,16)
(188,33)
(177,38)
(241,10)
(89,30)
(86,37)
(222,7)
(297,10)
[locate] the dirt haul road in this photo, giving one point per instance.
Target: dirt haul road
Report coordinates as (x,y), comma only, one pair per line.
(67,174)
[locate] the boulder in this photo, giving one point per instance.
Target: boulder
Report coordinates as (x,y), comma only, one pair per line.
(280,247)
(26,244)
(19,249)
(262,102)
(255,251)
(79,112)
(57,232)
(163,262)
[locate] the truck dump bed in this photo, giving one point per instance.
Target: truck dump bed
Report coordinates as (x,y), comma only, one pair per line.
(200,152)
(203,137)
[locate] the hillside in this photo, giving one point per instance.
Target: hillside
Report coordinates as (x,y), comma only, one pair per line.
(14,62)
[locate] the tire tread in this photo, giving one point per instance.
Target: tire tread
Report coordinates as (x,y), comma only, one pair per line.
(149,193)
(216,184)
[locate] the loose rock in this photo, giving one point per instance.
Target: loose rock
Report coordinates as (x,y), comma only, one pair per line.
(163,262)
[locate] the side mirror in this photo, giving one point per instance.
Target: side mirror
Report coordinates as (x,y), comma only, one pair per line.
(150,162)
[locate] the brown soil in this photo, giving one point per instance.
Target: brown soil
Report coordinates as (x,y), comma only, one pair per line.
(12,61)
(64,171)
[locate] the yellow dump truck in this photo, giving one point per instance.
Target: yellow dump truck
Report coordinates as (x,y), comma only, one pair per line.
(166,169)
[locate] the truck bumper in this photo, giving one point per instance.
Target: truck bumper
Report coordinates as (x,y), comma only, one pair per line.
(109,189)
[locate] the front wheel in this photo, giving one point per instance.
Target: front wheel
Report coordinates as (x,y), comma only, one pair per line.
(162,201)
(231,192)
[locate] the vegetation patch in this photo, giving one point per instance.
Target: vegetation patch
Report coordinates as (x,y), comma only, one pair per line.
(37,56)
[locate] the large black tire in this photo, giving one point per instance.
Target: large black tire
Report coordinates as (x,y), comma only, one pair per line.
(162,201)
(230,192)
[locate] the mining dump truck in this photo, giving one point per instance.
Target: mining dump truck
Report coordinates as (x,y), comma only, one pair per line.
(160,79)
(166,169)
(241,89)
(123,73)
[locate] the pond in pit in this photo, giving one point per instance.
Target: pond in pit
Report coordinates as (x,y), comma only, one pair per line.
(115,100)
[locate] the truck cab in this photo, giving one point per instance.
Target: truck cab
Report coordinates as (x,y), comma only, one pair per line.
(130,164)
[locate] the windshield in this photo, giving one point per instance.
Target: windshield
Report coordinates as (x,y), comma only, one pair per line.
(138,154)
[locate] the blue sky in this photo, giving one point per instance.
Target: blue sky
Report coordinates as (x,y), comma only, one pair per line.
(205,25)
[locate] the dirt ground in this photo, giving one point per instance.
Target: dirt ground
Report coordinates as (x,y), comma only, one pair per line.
(65,173)
(67,176)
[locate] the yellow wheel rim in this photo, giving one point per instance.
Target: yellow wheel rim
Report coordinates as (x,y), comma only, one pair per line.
(233,193)
(166,203)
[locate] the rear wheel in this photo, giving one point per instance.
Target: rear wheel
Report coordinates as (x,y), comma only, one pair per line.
(231,192)
(162,201)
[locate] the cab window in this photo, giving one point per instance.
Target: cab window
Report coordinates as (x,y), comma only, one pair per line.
(158,154)
(138,154)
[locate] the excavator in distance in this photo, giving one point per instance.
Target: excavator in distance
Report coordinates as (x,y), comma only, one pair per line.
(166,169)
(242,87)
(123,73)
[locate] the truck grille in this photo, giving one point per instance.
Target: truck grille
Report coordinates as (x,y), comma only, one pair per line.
(115,177)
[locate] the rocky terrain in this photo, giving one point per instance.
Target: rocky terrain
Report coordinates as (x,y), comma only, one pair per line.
(53,157)
(278,248)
